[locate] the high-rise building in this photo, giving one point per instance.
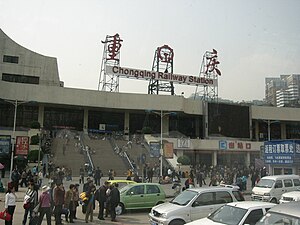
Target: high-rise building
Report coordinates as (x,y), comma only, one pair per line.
(283,91)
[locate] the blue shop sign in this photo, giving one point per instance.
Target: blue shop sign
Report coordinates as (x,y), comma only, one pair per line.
(281,152)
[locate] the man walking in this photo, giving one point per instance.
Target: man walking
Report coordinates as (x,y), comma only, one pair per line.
(114,201)
(59,198)
(101,197)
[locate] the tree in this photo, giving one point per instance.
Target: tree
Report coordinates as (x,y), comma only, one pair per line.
(184,160)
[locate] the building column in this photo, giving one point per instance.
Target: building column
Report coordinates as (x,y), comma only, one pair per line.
(126,123)
(41,115)
(248,161)
(283,130)
(165,125)
(85,120)
(215,158)
(256,130)
(197,129)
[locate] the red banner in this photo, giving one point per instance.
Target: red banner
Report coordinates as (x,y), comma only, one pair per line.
(168,150)
(22,145)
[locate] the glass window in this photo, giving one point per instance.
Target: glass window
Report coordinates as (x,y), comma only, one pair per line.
(228,215)
(278,184)
(152,189)
(238,195)
(10,59)
(265,183)
(136,190)
(223,197)
(254,216)
(288,183)
(296,182)
(184,197)
(205,199)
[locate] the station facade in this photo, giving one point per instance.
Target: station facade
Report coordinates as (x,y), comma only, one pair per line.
(210,133)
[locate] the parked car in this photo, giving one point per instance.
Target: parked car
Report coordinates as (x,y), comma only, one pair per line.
(270,188)
(282,214)
(141,196)
(292,196)
(121,183)
(193,204)
(236,213)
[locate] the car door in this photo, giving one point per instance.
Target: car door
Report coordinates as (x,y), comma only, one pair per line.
(278,189)
(203,205)
(152,195)
(135,196)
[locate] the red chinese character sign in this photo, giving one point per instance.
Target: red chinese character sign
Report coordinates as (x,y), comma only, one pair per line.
(22,145)
(113,46)
(209,70)
(212,62)
(165,54)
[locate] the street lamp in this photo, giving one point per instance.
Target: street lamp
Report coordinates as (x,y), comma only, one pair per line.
(161,114)
(15,103)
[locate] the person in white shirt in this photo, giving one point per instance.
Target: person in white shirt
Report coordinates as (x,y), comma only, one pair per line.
(10,202)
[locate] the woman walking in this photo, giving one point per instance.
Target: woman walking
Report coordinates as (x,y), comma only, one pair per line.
(10,202)
(30,201)
(45,205)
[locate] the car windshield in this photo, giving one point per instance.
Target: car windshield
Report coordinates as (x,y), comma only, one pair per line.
(265,183)
(229,215)
(272,218)
(184,197)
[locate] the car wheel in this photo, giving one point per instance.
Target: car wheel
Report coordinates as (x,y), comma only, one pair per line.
(274,200)
(177,222)
(122,211)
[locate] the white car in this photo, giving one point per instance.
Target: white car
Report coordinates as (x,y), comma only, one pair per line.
(193,204)
(236,213)
(293,196)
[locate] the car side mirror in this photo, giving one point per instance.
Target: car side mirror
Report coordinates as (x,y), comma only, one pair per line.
(131,193)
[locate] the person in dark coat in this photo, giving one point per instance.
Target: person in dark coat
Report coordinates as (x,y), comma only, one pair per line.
(59,199)
(114,201)
(101,197)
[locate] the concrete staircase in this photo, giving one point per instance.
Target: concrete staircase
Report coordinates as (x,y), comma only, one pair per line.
(72,157)
(106,158)
(135,154)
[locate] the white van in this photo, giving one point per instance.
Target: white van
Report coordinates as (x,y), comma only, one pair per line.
(270,188)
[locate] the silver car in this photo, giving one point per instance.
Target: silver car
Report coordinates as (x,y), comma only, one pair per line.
(193,204)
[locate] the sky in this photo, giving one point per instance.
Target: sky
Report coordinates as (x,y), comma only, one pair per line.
(254,39)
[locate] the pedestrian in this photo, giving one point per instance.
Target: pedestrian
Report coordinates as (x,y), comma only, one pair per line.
(15,177)
(30,202)
(70,203)
(76,199)
(114,201)
(90,203)
(23,179)
(98,175)
(58,198)
(45,205)
(81,173)
(10,202)
(101,197)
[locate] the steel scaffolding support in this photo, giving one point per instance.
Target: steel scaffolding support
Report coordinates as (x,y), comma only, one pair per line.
(209,70)
(163,62)
(111,57)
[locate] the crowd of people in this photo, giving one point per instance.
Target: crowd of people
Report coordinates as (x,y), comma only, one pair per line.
(56,201)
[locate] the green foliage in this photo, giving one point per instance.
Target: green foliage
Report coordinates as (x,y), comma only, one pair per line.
(184,160)
(34,140)
(146,130)
(35,125)
(34,155)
